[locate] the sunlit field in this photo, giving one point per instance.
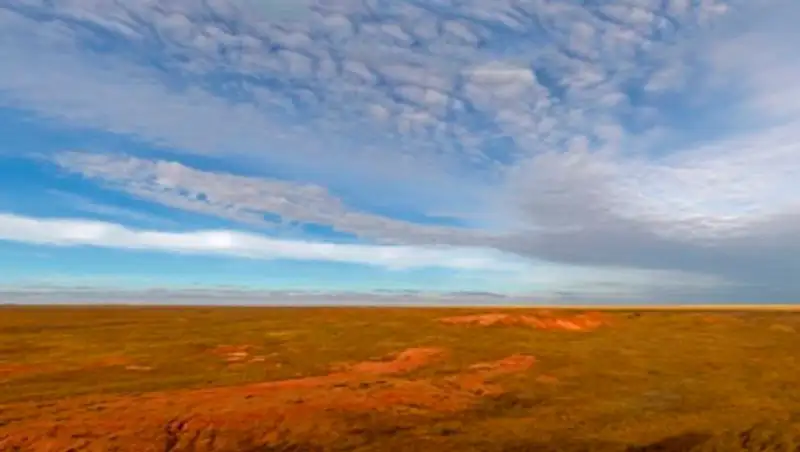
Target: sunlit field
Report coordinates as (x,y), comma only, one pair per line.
(372,379)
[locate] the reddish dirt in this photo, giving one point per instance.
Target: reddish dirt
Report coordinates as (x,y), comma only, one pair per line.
(513,363)
(110,361)
(548,380)
(238,354)
(545,320)
(404,361)
(246,417)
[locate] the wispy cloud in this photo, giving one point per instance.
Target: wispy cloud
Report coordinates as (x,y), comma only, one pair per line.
(69,232)
(251,200)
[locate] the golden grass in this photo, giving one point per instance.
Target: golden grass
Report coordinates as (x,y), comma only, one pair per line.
(685,373)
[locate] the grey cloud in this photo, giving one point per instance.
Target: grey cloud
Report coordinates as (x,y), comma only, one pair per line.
(575,208)
(249,199)
(584,209)
(221,296)
(586,223)
(759,273)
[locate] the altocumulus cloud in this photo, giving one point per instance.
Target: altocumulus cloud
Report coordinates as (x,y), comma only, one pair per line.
(248,199)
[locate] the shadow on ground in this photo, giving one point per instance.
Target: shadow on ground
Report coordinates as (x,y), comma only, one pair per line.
(768,437)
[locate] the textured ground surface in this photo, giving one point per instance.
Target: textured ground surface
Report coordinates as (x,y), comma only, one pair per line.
(245,379)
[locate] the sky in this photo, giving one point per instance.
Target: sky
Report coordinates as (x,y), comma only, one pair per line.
(642,151)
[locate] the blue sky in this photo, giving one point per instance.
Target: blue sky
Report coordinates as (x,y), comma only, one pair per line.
(630,151)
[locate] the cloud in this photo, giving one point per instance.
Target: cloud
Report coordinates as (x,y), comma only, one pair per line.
(76,232)
(486,268)
(280,10)
(402,90)
(116,93)
(449,95)
(714,210)
(658,136)
(725,209)
(252,200)
(411,80)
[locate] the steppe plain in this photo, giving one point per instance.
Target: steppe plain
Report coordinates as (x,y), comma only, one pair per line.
(225,379)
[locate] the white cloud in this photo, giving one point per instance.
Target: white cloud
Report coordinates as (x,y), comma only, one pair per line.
(77,232)
(248,199)
(116,94)
(348,73)
(709,190)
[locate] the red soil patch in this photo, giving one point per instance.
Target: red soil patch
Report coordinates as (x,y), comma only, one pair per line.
(404,361)
(218,419)
(547,379)
(110,361)
(513,363)
(545,321)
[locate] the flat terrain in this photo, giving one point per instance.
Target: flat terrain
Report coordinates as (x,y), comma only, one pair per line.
(369,379)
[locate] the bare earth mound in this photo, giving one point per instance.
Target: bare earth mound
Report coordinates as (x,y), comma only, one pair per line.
(257,415)
(579,322)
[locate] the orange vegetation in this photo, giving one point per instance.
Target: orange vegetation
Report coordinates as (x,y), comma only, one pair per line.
(220,419)
(8,370)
